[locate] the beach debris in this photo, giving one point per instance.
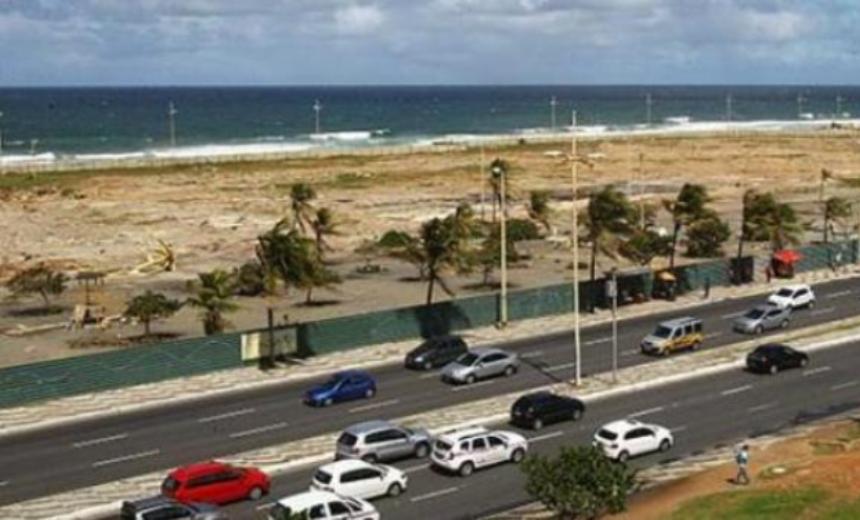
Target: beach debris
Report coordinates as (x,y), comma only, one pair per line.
(162,259)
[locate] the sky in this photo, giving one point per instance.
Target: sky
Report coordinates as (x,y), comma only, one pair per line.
(353,42)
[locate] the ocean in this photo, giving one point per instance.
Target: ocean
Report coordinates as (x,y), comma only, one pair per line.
(51,124)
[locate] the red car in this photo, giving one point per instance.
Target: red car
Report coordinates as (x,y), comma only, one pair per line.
(215,483)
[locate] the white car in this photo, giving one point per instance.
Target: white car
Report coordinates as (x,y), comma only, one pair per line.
(463,451)
(323,505)
(627,438)
(793,296)
(356,478)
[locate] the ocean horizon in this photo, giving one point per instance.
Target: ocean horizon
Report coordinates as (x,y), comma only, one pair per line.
(45,124)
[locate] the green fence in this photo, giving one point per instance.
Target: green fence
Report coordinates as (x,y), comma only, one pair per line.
(827,256)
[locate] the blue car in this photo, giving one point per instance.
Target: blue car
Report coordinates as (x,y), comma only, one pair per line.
(343,386)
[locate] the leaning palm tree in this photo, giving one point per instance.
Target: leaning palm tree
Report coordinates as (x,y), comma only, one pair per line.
(784,227)
(301,195)
(609,215)
(688,207)
(214,292)
(539,209)
(835,210)
(323,224)
(439,247)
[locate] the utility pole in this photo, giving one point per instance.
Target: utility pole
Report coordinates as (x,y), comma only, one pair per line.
(552,103)
(838,108)
(2,168)
(612,290)
(317,108)
(641,191)
(729,107)
(171,117)
(499,172)
(648,103)
(483,181)
(574,159)
(800,101)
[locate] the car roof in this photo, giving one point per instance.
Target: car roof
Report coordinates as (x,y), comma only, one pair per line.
(200,468)
(457,435)
(369,426)
(794,287)
(772,346)
(342,466)
(145,504)
(679,321)
(351,373)
(307,499)
(540,396)
(483,351)
(623,425)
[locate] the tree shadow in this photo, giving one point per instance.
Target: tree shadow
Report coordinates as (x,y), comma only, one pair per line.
(320,303)
(37,312)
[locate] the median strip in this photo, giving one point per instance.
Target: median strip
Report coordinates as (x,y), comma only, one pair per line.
(141,455)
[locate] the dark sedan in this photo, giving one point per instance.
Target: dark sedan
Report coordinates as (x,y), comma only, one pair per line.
(436,352)
(540,408)
(774,357)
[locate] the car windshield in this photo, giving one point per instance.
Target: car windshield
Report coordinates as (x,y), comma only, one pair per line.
(467,360)
(606,434)
(347,439)
(754,314)
(663,332)
(170,484)
(425,347)
(785,293)
(322,476)
(279,512)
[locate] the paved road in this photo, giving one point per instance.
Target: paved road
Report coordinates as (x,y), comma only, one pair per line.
(703,413)
(105,450)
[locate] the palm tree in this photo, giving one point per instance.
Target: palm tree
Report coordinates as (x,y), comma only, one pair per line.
(439,247)
(609,214)
(301,195)
(688,207)
(539,209)
(149,306)
(213,296)
(784,227)
(323,224)
(40,279)
(835,209)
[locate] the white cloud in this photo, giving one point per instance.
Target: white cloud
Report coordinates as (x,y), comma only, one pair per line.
(359,19)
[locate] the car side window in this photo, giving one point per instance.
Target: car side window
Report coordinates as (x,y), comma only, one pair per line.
(350,476)
(338,508)
(479,444)
(393,435)
(688,329)
(464,446)
(492,358)
(175,513)
(677,333)
(317,511)
(375,437)
(495,442)
(197,482)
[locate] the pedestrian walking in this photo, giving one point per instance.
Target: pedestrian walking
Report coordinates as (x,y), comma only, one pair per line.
(768,272)
(742,458)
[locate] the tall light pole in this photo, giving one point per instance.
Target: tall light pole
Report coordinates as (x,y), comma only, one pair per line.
(552,104)
(574,159)
(648,103)
(317,109)
(838,107)
(483,181)
(500,174)
(800,101)
(641,191)
(171,118)
(729,107)
(612,289)
(1,142)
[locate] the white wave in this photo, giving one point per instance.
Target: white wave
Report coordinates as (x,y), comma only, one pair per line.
(351,135)
(677,120)
(40,158)
(215,150)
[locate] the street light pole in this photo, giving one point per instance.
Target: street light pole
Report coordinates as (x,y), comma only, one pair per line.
(317,109)
(171,116)
(613,293)
(574,159)
(499,171)
(483,183)
(553,103)
(2,169)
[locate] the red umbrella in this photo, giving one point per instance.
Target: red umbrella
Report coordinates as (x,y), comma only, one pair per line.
(787,256)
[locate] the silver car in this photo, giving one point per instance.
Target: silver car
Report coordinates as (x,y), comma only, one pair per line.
(761,318)
(480,363)
(374,441)
(162,507)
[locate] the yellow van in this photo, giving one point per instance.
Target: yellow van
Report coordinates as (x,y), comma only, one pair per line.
(672,335)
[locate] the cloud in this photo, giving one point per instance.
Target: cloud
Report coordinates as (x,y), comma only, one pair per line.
(359,19)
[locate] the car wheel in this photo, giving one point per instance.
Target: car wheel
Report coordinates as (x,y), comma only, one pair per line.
(328,402)
(370,458)
(470,379)
(623,456)
(784,324)
(255,493)
(537,424)
(428,365)
(518,455)
(466,469)
(576,415)
(370,393)
(665,445)
(395,490)
(422,450)
(510,370)
(758,329)
(773,369)
(803,362)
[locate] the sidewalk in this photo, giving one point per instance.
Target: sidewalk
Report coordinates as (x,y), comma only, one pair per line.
(103,500)
(124,400)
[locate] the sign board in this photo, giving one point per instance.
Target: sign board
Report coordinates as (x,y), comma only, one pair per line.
(611,288)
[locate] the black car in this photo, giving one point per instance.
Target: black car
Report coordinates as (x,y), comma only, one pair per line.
(436,352)
(540,408)
(774,357)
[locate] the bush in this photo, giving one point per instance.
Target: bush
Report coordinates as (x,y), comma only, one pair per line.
(705,237)
(521,229)
(394,239)
(250,279)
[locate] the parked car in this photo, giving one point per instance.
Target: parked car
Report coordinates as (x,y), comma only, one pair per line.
(436,352)
(356,478)
(162,508)
(323,505)
(540,408)
(673,335)
(215,483)
(627,438)
(772,358)
(761,318)
(794,296)
(343,386)
(374,441)
(480,363)
(464,451)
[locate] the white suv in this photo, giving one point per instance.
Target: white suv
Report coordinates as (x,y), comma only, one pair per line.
(322,505)
(627,438)
(462,451)
(793,296)
(356,478)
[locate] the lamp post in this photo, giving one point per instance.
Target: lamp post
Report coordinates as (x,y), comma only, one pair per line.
(574,159)
(500,174)
(552,104)
(612,292)
(2,168)
(483,181)
(317,109)
(171,119)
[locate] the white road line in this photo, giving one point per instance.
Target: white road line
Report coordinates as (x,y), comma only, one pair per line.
(428,375)
(843,386)
(528,355)
(560,367)
(736,390)
(102,440)
(837,294)
(629,353)
(4,483)
(374,406)
(267,505)
(262,429)
(732,315)
(460,388)
(813,371)
(677,429)
(826,310)
(134,456)
(428,496)
(761,407)
(713,335)
(413,469)
(546,436)
(228,415)
(607,339)
(645,412)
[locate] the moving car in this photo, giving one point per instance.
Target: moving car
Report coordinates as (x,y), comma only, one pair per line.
(674,335)
(761,318)
(436,352)
(480,363)
(382,441)
(322,505)
(161,508)
(463,451)
(540,408)
(772,358)
(343,386)
(793,296)
(356,478)
(627,438)
(215,483)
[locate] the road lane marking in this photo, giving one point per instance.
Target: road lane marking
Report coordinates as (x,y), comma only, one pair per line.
(141,455)
(228,415)
(761,407)
(413,469)
(560,367)
(460,388)
(629,353)
(4,483)
(265,506)
(736,390)
(547,436)
(843,386)
(837,294)
(435,373)
(646,412)
(373,406)
(539,353)
(428,496)
(813,371)
(713,335)
(262,429)
(733,315)
(606,339)
(677,429)
(102,440)
(819,312)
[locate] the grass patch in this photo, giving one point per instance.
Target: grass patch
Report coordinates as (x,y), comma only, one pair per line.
(751,505)
(827,447)
(842,510)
